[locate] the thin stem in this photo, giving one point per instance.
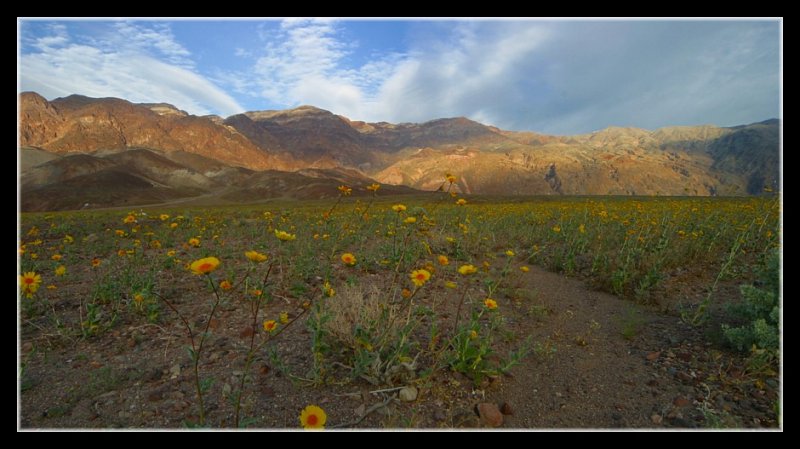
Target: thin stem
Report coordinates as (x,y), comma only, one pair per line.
(255,307)
(458,311)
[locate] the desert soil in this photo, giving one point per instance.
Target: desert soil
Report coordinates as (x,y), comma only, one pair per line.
(597,362)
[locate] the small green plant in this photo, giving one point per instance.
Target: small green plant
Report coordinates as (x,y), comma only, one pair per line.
(630,323)
(758,314)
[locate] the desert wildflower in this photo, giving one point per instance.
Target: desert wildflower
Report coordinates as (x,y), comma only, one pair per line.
(155,244)
(138,298)
(164,217)
(345,190)
(283,317)
(225,285)
(420,277)
(205,265)
(473,334)
(327,290)
(467,269)
(194,242)
(373,187)
(399,208)
(255,256)
(61,270)
(524,269)
(348,259)
(461,202)
(443,260)
(129,219)
(121,253)
(68,239)
(30,283)
(450,178)
(450,284)
(510,253)
(256,292)
(270,325)
(313,417)
(410,220)
(171,253)
(582,229)
(405,293)
(96,262)
(173,225)
(285,236)
(56,257)
(556,228)
(490,303)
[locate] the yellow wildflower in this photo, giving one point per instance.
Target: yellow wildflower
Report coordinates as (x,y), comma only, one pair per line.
(420,277)
(205,265)
(313,417)
(255,256)
(467,269)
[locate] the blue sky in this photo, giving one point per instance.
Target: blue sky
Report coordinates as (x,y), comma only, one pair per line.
(558,77)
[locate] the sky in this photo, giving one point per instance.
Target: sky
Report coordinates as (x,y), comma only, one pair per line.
(549,76)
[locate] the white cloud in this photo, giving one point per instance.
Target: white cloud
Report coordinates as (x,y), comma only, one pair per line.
(474,63)
(557,77)
(128,65)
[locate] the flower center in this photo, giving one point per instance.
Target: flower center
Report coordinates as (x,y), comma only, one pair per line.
(205,267)
(29,280)
(312,420)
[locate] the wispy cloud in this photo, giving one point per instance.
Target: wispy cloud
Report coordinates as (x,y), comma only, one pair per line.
(135,62)
(558,77)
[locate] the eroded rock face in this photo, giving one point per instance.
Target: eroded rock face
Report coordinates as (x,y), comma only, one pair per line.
(682,160)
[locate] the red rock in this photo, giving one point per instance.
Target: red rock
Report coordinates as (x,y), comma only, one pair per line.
(506,409)
(490,414)
(653,356)
(681,401)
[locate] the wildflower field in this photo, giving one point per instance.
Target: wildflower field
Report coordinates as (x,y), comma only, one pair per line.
(411,311)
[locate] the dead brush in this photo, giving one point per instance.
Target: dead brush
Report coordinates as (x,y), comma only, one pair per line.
(374,334)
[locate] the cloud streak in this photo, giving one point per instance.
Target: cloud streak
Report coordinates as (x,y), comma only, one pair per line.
(557,77)
(138,63)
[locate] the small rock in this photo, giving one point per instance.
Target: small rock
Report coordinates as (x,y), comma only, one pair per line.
(506,409)
(653,356)
(772,383)
(27,347)
(656,418)
(264,369)
(155,395)
(681,401)
(360,410)
(408,394)
(490,415)
(683,377)
(175,371)
(152,375)
(226,389)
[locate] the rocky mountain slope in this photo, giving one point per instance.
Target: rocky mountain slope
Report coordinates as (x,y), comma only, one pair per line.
(83,142)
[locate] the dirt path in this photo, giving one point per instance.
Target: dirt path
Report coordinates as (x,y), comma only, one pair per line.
(598,362)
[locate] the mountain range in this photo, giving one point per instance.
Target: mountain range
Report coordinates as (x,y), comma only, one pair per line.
(79,152)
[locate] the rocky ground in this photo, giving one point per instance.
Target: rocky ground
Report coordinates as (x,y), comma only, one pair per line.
(596,362)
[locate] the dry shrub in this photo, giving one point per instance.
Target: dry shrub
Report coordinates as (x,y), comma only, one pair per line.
(359,315)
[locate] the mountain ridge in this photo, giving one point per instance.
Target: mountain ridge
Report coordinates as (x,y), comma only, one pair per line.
(672,160)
